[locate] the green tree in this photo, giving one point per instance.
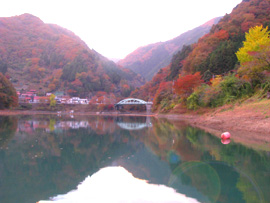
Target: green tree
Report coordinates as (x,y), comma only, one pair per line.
(8,95)
(177,62)
(3,67)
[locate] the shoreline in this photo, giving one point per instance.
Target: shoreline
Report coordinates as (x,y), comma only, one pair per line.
(252,136)
(247,126)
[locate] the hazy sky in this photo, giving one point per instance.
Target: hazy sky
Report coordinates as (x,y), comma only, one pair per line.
(115,28)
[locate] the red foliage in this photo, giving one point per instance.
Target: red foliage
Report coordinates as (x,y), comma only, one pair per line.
(71,91)
(148,91)
(185,85)
(221,35)
(77,82)
(164,89)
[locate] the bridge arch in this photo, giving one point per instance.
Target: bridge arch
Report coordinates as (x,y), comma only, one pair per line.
(134,101)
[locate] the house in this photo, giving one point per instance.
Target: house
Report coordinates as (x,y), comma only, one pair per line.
(25,100)
(36,100)
(64,100)
(73,100)
(44,99)
(77,100)
(83,101)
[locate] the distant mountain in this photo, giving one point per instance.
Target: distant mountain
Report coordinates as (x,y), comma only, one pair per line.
(47,57)
(148,60)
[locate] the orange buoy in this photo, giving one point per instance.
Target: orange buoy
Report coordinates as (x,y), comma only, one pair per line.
(225,135)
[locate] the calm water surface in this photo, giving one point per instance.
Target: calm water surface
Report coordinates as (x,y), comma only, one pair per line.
(124,159)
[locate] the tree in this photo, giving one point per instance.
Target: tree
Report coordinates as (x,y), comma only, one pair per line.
(52,100)
(8,95)
(177,62)
(3,67)
(254,56)
(164,91)
(256,40)
(185,85)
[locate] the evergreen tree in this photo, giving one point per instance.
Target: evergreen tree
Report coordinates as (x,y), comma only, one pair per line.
(8,95)
(3,67)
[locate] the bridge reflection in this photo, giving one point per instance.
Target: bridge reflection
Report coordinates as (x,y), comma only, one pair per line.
(134,124)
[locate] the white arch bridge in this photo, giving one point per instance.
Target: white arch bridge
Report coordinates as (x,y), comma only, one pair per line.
(134,101)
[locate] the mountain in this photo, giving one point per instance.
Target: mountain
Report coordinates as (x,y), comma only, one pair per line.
(149,59)
(213,54)
(47,57)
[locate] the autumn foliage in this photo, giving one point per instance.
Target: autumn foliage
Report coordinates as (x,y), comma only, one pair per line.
(254,55)
(208,68)
(185,85)
(49,58)
(216,50)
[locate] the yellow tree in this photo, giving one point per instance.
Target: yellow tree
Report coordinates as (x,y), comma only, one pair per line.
(52,100)
(256,39)
(254,56)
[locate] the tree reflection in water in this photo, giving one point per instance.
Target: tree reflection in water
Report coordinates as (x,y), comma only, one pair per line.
(43,156)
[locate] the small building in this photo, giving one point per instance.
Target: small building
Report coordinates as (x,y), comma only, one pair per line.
(73,100)
(64,100)
(83,101)
(77,100)
(44,100)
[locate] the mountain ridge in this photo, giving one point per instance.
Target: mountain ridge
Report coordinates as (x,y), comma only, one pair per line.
(147,60)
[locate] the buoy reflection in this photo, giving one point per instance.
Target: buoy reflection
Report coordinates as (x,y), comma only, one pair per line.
(225,141)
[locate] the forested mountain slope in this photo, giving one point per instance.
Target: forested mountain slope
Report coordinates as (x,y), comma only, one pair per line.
(214,55)
(47,57)
(149,59)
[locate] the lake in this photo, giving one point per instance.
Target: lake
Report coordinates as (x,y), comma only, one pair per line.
(124,159)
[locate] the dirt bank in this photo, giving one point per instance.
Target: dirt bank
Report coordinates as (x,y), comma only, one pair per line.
(248,123)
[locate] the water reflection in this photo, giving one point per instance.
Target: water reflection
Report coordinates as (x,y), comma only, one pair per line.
(130,124)
(115,184)
(8,127)
(44,156)
(55,124)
